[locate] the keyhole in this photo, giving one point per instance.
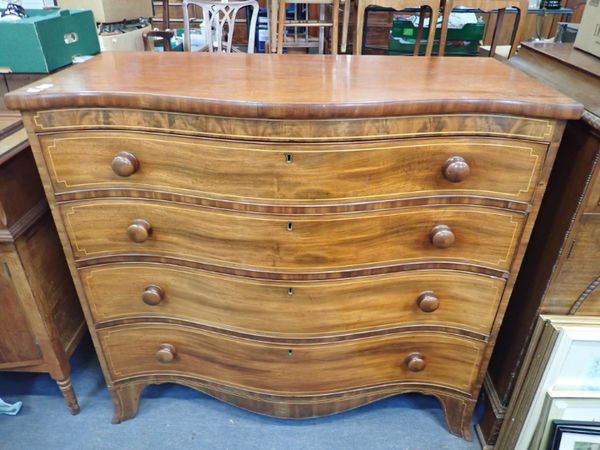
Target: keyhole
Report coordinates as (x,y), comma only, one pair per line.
(288,158)
(290,353)
(290,291)
(290,226)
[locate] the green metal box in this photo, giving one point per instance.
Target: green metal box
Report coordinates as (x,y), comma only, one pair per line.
(463,41)
(47,40)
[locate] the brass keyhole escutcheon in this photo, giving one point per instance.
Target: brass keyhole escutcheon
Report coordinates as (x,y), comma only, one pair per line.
(290,291)
(290,353)
(289,158)
(290,226)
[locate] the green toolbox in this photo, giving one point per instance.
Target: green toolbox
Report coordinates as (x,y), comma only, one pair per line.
(47,40)
(463,41)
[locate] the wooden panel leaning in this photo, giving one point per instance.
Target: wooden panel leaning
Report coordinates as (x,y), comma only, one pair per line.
(561,269)
(363,241)
(42,321)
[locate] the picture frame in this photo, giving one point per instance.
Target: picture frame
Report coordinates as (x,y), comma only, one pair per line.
(562,356)
(565,406)
(574,435)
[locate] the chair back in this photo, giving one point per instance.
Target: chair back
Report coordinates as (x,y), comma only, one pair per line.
(218,23)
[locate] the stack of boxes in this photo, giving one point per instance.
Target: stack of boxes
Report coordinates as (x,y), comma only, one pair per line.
(120,23)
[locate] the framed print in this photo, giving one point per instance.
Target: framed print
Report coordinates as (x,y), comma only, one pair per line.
(565,406)
(563,355)
(572,435)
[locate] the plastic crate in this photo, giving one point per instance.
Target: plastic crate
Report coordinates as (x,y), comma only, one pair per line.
(463,41)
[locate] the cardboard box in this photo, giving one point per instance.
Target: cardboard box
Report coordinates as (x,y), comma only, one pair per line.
(588,36)
(47,40)
(130,41)
(109,11)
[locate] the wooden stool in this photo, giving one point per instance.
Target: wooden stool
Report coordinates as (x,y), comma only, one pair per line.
(307,42)
(489,5)
(432,5)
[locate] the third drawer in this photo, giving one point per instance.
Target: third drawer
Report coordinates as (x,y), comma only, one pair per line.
(424,298)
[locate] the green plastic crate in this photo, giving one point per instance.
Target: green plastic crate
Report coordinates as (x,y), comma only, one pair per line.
(47,40)
(463,41)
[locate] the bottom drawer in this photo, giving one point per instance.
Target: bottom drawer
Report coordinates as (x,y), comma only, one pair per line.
(419,358)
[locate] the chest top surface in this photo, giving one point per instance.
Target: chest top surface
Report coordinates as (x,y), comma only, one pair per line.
(296,86)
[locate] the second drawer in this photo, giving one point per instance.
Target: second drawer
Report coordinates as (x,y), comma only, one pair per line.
(330,242)
(298,309)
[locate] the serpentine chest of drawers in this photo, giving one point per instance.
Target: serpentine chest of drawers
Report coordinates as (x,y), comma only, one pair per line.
(296,235)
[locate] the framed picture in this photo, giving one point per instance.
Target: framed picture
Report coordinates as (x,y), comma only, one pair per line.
(572,435)
(563,356)
(565,406)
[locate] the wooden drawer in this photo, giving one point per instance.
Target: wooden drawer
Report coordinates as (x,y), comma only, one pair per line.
(483,236)
(293,173)
(301,369)
(301,309)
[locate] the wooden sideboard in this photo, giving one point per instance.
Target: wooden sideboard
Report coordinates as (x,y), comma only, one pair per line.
(41,320)
(296,235)
(561,269)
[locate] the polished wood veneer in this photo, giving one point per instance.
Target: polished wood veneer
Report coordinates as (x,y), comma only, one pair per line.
(119,292)
(293,173)
(100,229)
(295,248)
(309,369)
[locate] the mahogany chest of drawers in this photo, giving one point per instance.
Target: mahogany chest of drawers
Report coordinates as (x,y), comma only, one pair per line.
(295,235)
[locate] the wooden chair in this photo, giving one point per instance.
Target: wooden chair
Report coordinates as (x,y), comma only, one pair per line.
(150,38)
(218,23)
(433,6)
(306,41)
(346,6)
(486,6)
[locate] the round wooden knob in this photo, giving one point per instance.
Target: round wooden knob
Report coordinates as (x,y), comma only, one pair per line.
(139,230)
(456,169)
(441,236)
(166,353)
(415,362)
(153,295)
(125,164)
(428,302)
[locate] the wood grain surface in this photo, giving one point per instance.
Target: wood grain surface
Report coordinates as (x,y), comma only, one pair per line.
(290,130)
(577,271)
(483,236)
(451,361)
(466,301)
(293,173)
(299,86)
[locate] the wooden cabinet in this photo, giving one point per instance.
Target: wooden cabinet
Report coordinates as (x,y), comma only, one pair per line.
(41,320)
(561,269)
(296,249)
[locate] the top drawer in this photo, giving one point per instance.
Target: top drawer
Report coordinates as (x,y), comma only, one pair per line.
(287,173)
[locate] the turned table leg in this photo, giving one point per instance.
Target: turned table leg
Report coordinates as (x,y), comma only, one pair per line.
(68,393)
